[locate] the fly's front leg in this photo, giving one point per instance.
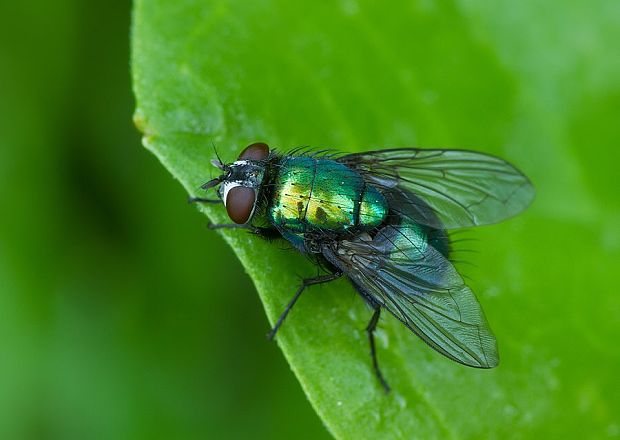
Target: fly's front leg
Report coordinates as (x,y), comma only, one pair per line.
(266,233)
(202,200)
(370,329)
(305,283)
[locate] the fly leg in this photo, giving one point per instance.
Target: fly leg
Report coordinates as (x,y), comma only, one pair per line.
(261,232)
(266,233)
(370,329)
(230,226)
(222,225)
(305,283)
(201,200)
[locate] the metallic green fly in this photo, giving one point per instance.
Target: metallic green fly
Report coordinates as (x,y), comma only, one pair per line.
(381,218)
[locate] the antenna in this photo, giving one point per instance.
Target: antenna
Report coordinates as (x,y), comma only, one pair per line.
(218,157)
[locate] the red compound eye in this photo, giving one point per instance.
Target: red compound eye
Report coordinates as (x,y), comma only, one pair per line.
(256,151)
(240,203)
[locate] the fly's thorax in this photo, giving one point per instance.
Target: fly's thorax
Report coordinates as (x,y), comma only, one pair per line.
(311,195)
(291,187)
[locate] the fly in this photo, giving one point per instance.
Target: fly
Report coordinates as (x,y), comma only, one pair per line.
(381,218)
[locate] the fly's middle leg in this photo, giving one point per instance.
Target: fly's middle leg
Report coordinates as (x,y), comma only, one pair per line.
(305,283)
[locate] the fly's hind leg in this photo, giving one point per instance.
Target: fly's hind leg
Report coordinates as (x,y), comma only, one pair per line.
(370,329)
(305,283)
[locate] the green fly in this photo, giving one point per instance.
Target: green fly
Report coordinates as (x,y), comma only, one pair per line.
(381,218)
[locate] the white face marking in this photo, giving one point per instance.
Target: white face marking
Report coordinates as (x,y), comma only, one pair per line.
(227,187)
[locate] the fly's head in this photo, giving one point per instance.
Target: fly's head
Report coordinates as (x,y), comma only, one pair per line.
(240,182)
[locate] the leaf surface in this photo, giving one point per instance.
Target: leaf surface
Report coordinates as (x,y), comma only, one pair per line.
(529,82)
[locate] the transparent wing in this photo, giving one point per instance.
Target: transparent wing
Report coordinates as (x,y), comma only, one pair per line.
(462,188)
(399,271)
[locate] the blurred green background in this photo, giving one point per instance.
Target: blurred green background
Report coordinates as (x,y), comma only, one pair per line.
(118,318)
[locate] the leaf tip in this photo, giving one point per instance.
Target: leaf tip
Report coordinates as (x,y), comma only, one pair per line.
(139,120)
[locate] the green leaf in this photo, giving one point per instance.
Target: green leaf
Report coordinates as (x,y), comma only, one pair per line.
(530,82)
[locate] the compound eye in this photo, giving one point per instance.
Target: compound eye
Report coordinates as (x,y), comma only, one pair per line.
(240,204)
(256,151)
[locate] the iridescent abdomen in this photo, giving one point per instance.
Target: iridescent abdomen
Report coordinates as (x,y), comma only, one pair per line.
(319,194)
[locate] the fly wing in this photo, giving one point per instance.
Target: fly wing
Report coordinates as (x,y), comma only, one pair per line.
(462,188)
(400,271)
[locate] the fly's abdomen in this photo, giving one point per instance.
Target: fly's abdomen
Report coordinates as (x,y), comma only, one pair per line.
(318,194)
(373,208)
